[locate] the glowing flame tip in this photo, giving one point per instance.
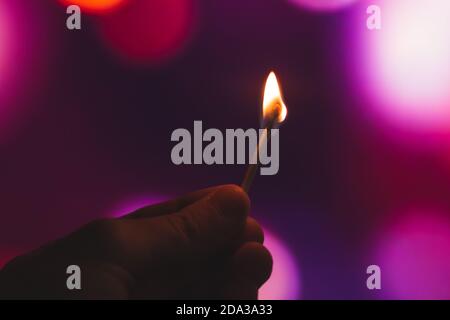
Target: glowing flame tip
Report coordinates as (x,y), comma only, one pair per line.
(273,101)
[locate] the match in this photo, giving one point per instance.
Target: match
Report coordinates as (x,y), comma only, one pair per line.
(274,113)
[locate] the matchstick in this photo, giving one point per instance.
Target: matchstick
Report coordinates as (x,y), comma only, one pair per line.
(254,164)
(274,112)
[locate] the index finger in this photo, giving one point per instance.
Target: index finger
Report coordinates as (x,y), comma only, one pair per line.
(171,206)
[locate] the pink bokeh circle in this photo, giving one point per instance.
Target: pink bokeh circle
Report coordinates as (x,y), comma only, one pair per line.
(284,283)
(23,35)
(323,5)
(414,256)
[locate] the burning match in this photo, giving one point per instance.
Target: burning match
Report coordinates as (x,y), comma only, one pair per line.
(273,114)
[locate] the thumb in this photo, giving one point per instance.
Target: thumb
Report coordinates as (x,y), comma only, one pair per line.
(214,222)
(190,247)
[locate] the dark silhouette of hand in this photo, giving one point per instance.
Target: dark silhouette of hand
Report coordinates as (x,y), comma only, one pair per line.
(202,245)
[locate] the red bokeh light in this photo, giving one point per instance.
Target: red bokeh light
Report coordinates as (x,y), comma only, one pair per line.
(95,6)
(148,31)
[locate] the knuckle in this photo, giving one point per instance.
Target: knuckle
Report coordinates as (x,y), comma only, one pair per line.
(184,228)
(104,236)
(100,228)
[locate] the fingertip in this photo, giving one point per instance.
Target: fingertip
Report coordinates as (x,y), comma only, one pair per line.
(253,231)
(232,201)
(253,263)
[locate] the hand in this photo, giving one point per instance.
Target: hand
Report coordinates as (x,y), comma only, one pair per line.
(202,245)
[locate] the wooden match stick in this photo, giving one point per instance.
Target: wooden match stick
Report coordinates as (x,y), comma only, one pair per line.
(274,112)
(254,164)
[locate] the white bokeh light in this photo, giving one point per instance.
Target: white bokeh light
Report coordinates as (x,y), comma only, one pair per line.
(406,64)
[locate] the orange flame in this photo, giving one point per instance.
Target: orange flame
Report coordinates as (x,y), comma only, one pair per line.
(273,105)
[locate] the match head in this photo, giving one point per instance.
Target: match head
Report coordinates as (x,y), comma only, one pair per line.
(273,113)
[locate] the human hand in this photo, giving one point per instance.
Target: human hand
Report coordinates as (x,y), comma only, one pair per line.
(202,245)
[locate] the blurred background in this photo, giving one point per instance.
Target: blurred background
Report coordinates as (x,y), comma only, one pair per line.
(86,118)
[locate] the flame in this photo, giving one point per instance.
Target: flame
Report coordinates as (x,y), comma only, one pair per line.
(273,105)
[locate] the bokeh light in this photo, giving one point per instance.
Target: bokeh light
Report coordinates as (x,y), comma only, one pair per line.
(323,5)
(405,67)
(95,6)
(414,256)
(4,39)
(148,31)
(6,47)
(284,283)
(23,32)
